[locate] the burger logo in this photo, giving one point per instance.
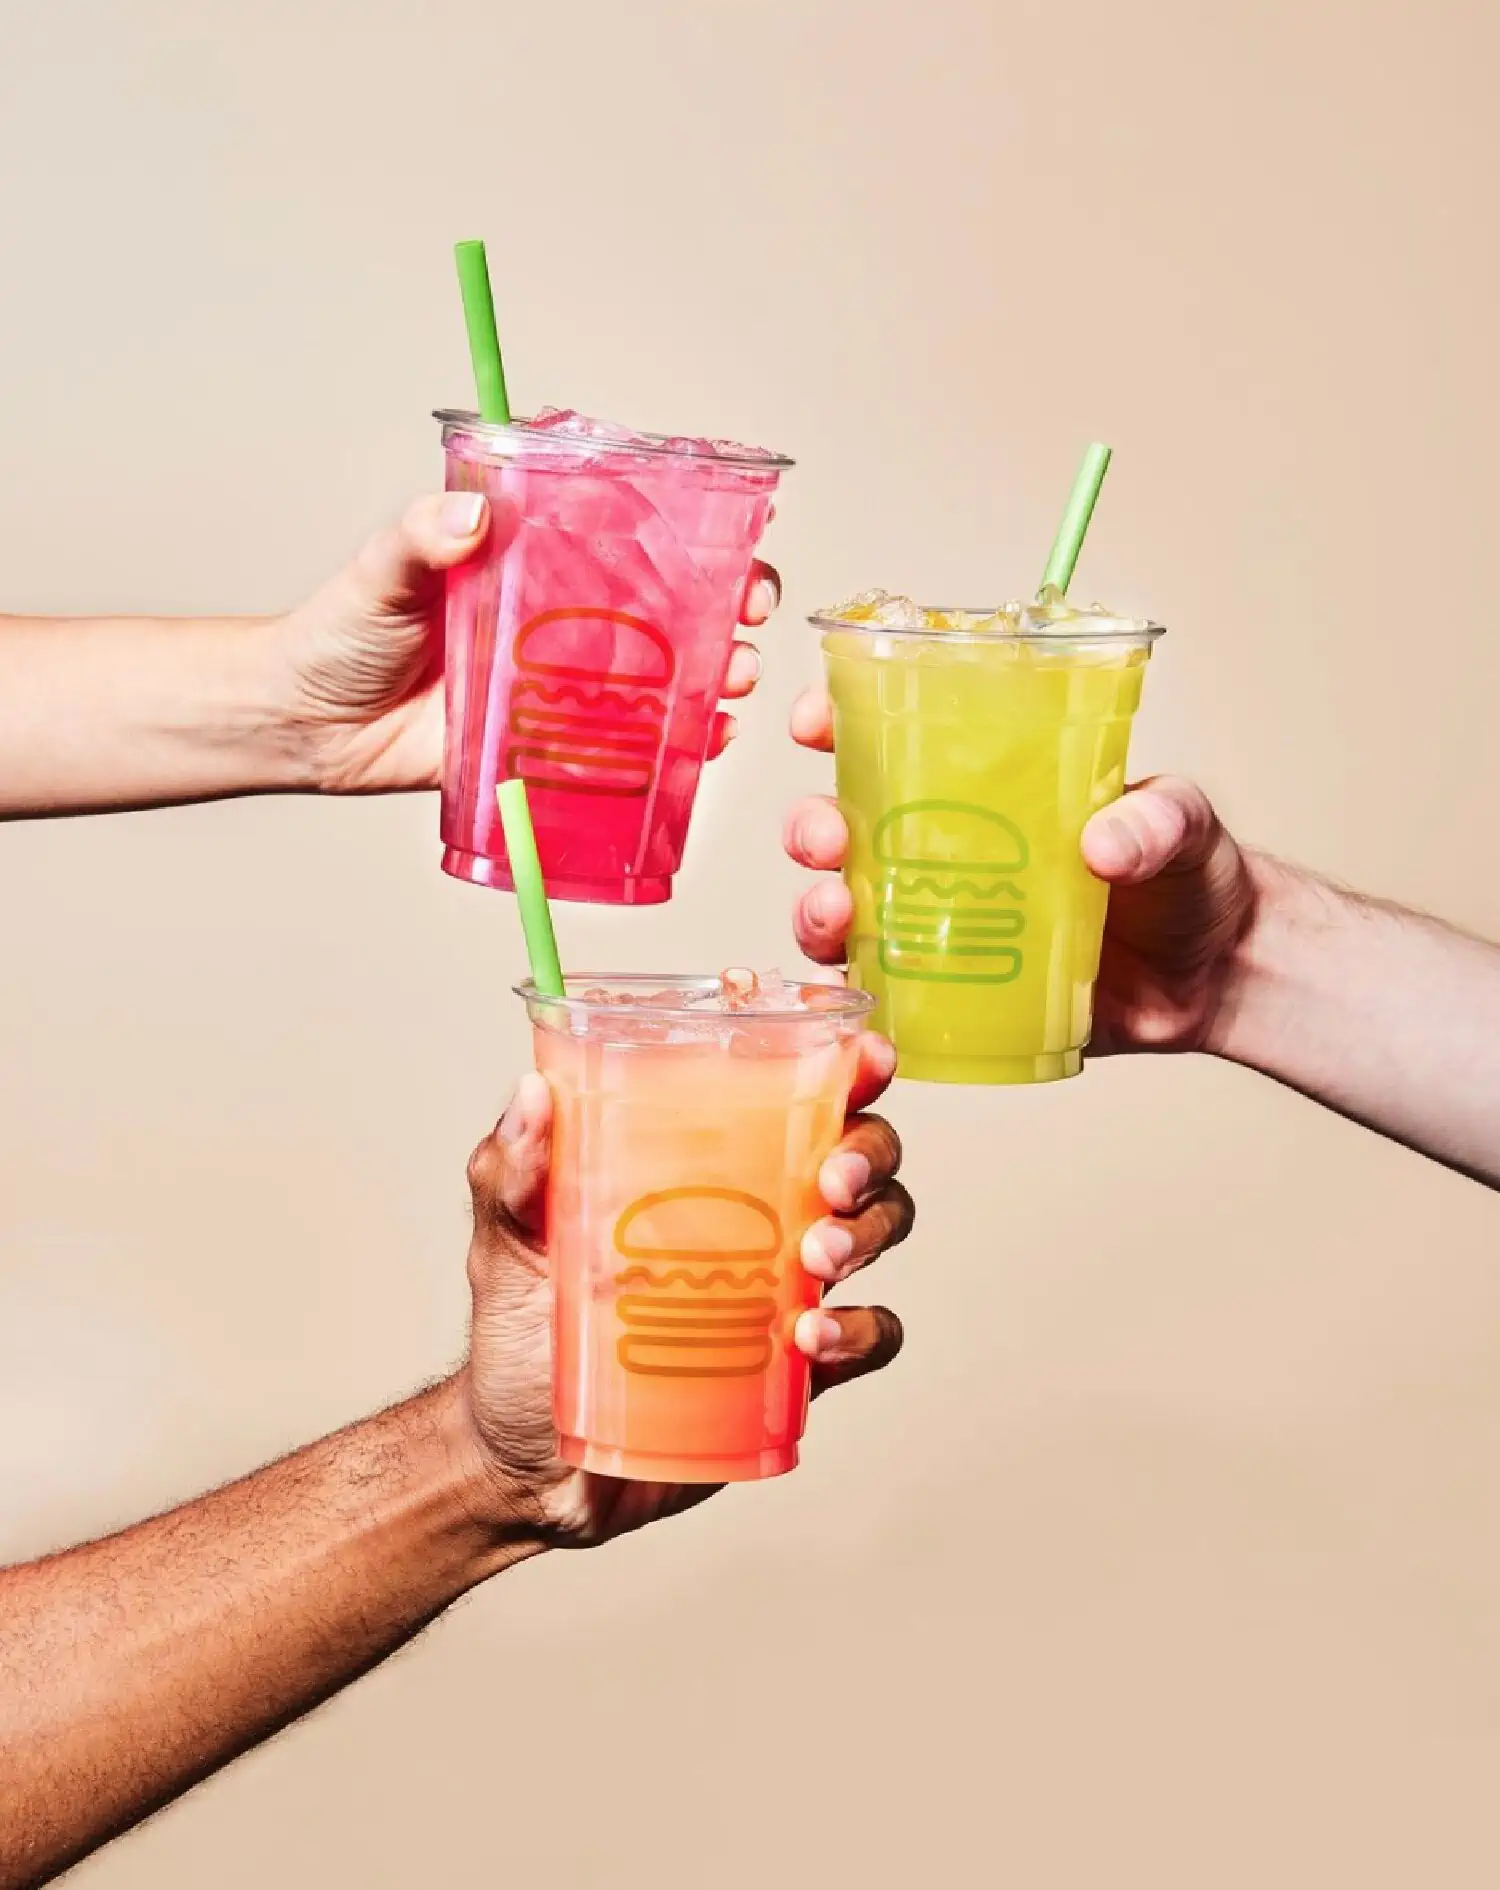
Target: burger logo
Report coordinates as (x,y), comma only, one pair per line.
(585,729)
(697,1297)
(947,893)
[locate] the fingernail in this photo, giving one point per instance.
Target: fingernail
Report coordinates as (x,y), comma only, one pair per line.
(1128,850)
(767,595)
(461,513)
(755,657)
(730,728)
(828,1247)
(829,1333)
(849,1175)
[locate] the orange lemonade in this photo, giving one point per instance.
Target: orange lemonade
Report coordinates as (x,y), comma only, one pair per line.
(690,1122)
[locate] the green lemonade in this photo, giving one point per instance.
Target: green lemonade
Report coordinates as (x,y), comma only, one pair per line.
(967,768)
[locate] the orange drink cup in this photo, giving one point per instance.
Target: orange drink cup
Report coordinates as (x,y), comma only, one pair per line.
(688,1131)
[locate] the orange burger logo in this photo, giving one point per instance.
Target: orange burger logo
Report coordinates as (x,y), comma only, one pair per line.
(589,729)
(702,1274)
(948,893)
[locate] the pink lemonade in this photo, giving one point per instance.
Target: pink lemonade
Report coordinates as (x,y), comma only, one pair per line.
(688,1131)
(587,655)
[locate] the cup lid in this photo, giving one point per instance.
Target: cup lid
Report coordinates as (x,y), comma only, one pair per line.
(665,995)
(521,436)
(1087,627)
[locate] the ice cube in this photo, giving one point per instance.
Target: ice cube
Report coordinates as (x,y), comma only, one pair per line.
(1052,609)
(738,987)
(567,423)
(736,449)
(1004,621)
(673,998)
(882,608)
(574,425)
(554,420)
(709,1001)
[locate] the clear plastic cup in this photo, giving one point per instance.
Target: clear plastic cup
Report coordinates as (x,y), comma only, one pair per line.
(968,764)
(686,1146)
(586,656)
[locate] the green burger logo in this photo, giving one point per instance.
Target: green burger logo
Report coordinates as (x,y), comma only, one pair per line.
(948,893)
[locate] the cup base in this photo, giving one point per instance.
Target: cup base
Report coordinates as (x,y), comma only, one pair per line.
(644,1466)
(479,870)
(1051,1067)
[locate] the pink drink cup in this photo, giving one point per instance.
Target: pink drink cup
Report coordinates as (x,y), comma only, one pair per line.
(587,656)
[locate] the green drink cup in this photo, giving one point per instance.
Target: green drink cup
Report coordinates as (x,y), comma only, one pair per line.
(970,755)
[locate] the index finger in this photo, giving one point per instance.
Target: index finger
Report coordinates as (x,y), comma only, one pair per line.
(873,1071)
(508,1171)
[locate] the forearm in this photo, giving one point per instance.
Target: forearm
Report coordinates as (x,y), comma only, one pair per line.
(1385,1015)
(138,712)
(132,1667)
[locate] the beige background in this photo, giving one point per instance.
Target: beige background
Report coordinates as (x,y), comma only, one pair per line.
(1169,1554)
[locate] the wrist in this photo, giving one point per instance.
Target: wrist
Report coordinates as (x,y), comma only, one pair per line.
(289,749)
(253,714)
(504,1521)
(1257,1015)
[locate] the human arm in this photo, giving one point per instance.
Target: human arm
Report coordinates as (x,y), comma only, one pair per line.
(1387,1016)
(135,1666)
(341,695)
(132,1667)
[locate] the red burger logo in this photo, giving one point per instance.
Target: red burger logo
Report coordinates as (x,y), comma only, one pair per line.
(702,1273)
(582,726)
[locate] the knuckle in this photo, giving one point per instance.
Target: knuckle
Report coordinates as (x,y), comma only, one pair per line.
(484,1172)
(889,1337)
(376,557)
(1185,797)
(825,913)
(880,1227)
(879,1143)
(901,1214)
(805,920)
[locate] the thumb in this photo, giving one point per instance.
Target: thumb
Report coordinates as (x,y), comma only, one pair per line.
(398,572)
(1159,824)
(508,1171)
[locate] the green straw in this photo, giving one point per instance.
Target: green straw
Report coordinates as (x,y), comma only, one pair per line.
(484,340)
(1075,520)
(531,894)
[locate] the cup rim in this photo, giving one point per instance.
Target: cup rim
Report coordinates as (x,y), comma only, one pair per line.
(1132,632)
(851,1004)
(651,445)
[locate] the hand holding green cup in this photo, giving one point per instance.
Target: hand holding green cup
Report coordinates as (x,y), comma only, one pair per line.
(972,748)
